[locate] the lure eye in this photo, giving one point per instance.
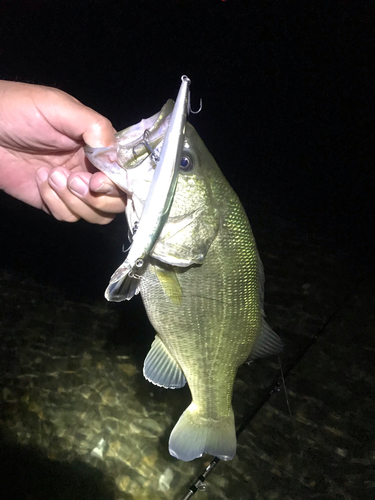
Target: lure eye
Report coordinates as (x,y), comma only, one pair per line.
(186,164)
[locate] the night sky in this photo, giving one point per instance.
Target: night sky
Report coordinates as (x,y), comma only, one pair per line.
(287,89)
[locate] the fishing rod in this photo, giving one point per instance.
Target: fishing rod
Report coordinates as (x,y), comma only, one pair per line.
(275,386)
(199,482)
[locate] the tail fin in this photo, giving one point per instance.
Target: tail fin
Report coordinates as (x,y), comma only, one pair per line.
(194,435)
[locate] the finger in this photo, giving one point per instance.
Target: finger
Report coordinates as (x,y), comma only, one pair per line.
(98,192)
(100,183)
(52,203)
(93,208)
(80,122)
(99,133)
(65,205)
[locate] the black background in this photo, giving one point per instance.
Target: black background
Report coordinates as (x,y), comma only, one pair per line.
(287,89)
(288,113)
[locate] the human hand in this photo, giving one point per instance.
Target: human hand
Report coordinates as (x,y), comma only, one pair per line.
(42,162)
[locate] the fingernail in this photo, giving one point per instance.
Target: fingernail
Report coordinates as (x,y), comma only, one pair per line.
(42,174)
(104,188)
(79,187)
(58,179)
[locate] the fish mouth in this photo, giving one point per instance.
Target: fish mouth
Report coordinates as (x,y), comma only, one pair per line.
(138,142)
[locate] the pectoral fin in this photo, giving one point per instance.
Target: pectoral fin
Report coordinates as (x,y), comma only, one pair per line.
(160,367)
(169,282)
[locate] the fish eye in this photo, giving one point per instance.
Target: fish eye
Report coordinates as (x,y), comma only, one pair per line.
(186,163)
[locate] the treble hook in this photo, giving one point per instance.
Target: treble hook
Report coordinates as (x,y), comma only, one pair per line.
(145,143)
(189,106)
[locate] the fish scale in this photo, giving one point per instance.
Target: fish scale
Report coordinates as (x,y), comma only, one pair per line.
(202,287)
(213,329)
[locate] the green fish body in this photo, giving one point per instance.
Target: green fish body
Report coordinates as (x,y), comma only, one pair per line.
(202,287)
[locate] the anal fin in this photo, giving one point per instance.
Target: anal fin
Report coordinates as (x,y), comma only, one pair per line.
(268,343)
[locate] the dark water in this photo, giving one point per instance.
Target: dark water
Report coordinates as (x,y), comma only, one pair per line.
(78,416)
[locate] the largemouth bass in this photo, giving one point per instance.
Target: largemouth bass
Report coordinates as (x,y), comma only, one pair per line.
(201,282)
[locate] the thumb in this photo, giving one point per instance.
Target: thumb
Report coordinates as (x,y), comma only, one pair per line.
(98,132)
(77,121)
